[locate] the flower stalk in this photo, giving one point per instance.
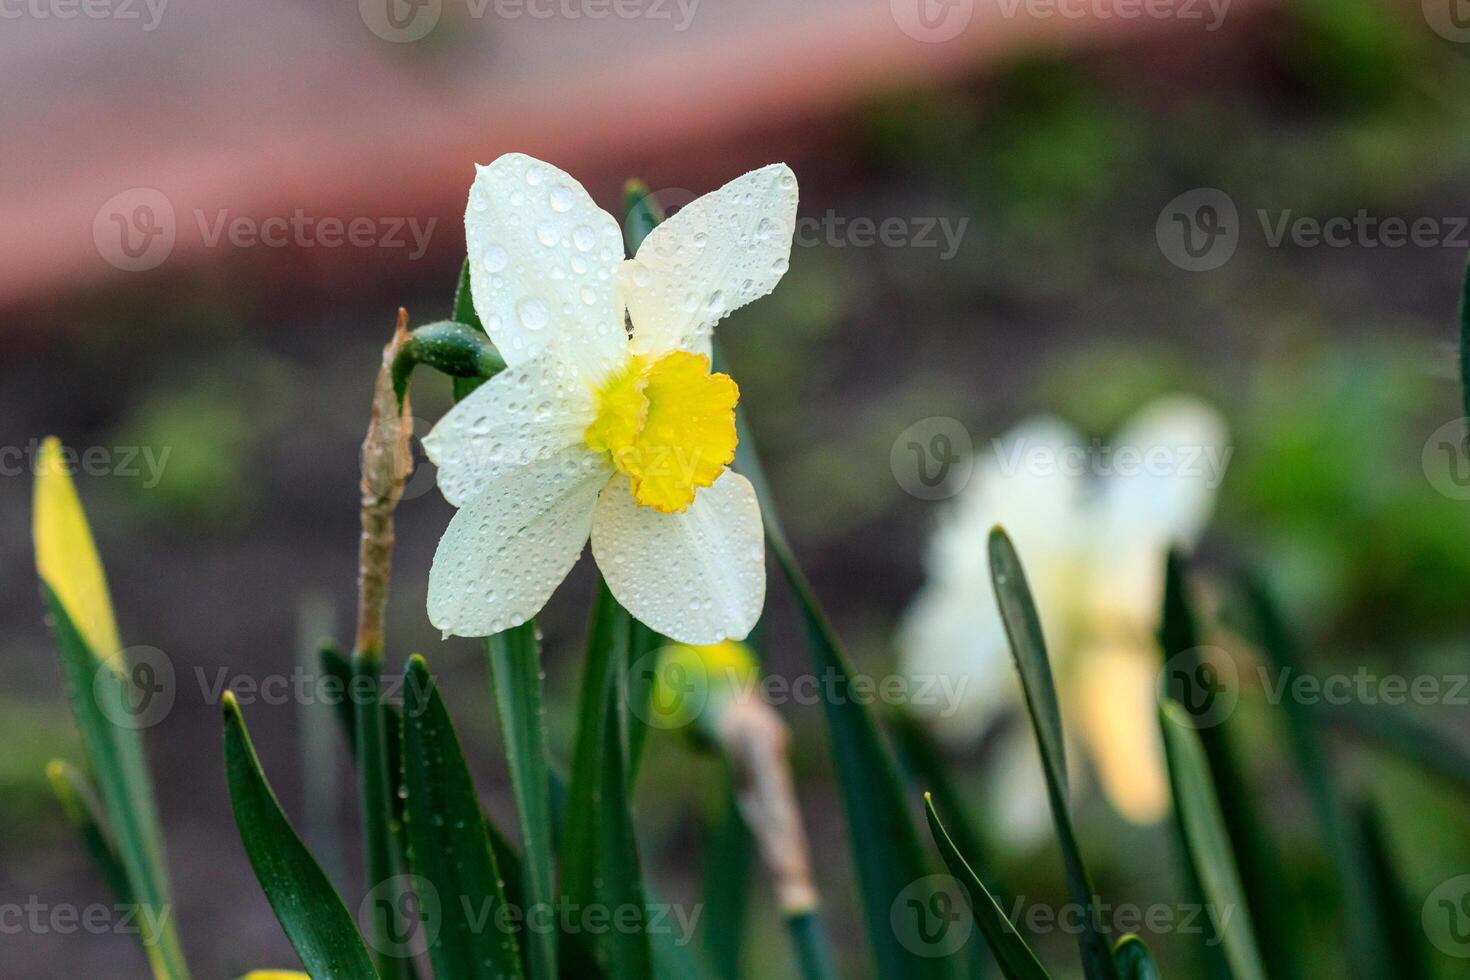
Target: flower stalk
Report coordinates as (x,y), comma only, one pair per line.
(386,465)
(755,739)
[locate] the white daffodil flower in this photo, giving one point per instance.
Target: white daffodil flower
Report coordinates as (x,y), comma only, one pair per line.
(1092,530)
(597,430)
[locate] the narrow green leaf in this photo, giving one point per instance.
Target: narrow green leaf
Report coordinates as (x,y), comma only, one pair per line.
(1271,909)
(1135,962)
(464,312)
(507,859)
(1432,747)
(78,799)
(515,671)
(599,866)
(642,641)
(105,706)
(308,907)
(1367,944)
(884,840)
(1028,648)
(449,851)
(1012,953)
(1399,919)
(380,808)
(1207,842)
(921,757)
(881,829)
(728,859)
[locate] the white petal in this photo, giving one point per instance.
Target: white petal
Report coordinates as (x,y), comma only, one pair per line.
(952,648)
(1180,445)
(506,552)
(543,264)
(1161,494)
(529,412)
(716,254)
(697,577)
(1031,484)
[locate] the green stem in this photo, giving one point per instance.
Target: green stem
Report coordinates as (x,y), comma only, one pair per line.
(455,349)
(810,941)
(515,676)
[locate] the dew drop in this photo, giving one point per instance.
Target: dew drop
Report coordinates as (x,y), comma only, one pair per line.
(495,259)
(532,313)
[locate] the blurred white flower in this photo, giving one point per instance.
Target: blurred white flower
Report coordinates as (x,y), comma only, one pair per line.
(595,431)
(1092,525)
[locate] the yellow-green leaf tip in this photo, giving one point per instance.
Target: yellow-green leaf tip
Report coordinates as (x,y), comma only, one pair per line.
(66,554)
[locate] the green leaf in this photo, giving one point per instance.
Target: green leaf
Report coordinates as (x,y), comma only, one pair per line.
(1016,960)
(104,705)
(640,688)
(1432,747)
(464,312)
(83,811)
(1367,944)
(881,831)
(381,809)
(1028,648)
(600,867)
(308,907)
(921,757)
(515,671)
(1398,918)
(728,858)
(506,857)
(1259,865)
(1207,843)
(449,850)
(1135,962)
